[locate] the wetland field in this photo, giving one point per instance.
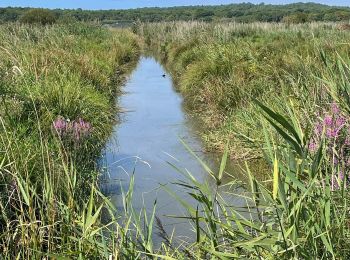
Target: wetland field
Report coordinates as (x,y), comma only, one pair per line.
(174,139)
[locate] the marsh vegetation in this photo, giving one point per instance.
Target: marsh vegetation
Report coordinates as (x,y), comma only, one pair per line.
(57,108)
(277,92)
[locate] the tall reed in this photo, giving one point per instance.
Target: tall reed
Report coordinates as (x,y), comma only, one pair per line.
(221,67)
(56,110)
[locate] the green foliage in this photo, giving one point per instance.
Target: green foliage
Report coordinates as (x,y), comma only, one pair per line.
(298,216)
(50,204)
(221,68)
(38,16)
(264,86)
(261,86)
(244,12)
(296,18)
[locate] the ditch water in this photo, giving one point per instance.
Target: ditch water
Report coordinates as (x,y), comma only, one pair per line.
(153,120)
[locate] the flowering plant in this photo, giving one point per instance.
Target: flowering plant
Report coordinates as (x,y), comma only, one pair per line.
(333,126)
(74,131)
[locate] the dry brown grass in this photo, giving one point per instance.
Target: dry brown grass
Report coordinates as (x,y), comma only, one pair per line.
(344,27)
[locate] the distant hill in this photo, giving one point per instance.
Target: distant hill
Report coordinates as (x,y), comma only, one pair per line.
(245,12)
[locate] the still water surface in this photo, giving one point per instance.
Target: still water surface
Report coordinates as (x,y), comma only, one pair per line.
(152,123)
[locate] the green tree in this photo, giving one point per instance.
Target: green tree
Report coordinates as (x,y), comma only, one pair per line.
(298,17)
(39,16)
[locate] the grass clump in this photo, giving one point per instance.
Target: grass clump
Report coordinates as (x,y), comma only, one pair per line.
(221,68)
(280,92)
(58,85)
(301,212)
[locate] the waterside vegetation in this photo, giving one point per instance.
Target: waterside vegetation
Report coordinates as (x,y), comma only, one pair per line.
(222,68)
(279,92)
(57,91)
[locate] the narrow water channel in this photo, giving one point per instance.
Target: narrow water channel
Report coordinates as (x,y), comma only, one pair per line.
(152,123)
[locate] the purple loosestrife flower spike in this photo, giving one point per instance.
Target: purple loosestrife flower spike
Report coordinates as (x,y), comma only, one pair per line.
(328,121)
(72,130)
(318,129)
(336,126)
(60,126)
(340,122)
(312,146)
(335,108)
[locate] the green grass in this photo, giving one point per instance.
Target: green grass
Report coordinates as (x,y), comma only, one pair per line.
(265,88)
(262,87)
(221,68)
(49,183)
(296,214)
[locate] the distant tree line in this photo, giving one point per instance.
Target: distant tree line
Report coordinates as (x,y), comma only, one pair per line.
(245,12)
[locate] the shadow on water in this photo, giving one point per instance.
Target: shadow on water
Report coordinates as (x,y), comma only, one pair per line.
(147,139)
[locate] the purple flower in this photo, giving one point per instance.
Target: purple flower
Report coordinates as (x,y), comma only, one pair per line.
(335,108)
(336,126)
(328,121)
(60,125)
(347,141)
(312,146)
(331,133)
(340,122)
(335,161)
(318,129)
(75,130)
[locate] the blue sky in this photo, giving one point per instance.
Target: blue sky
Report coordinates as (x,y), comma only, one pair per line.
(122,4)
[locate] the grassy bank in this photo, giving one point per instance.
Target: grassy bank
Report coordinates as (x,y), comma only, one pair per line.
(276,91)
(57,107)
(272,90)
(221,68)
